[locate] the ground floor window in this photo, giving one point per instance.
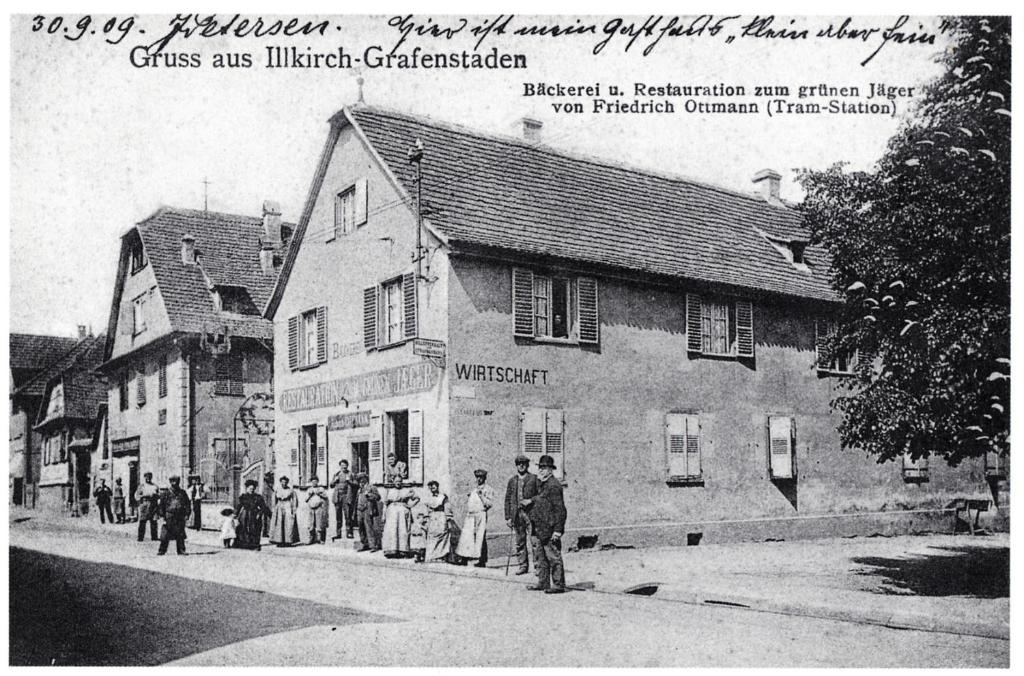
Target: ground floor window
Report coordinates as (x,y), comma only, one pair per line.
(398,433)
(542,432)
(683,445)
(781,442)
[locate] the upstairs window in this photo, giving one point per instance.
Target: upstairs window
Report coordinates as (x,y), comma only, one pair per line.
(390,312)
(139,313)
(122,390)
(719,327)
(554,307)
(229,376)
(350,210)
(831,361)
(307,338)
(137,255)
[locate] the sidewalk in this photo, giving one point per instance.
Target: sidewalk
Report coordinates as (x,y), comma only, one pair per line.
(942,583)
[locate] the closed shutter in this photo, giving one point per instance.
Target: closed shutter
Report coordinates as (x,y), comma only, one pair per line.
(531,440)
(140,386)
(587,320)
(376,449)
(744,328)
(321,334)
(780,447)
(416,446)
(321,454)
(554,439)
(694,341)
(293,342)
(361,198)
(522,302)
(126,321)
(162,378)
(693,450)
(293,448)
(915,469)
(409,300)
(675,444)
(820,341)
(370,317)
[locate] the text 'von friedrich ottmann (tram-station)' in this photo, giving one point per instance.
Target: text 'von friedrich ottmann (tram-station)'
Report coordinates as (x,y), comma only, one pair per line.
(391,382)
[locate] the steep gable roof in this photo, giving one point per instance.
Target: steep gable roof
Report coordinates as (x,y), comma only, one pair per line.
(492,191)
(84,393)
(32,353)
(228,246)
(38,385)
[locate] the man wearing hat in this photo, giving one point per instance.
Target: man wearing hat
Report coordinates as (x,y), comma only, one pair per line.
(175,506)
(547,516)
(522,486)
(368,508)
(473,540)
(148,496)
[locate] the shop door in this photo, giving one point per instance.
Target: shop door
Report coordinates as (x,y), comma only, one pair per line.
(360,461)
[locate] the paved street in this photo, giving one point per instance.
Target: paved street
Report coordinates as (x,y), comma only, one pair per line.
(217,607)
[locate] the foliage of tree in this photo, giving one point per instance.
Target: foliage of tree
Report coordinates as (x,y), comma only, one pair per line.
(920,251)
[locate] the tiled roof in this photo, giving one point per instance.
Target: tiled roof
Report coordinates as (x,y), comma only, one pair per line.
(37,384)
(31,354)
(500,192)
(228,247)
(83,391)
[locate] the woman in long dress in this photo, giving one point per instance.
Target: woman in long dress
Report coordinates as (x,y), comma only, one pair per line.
(284,528)
(252,515)
(397,520)
(439,524)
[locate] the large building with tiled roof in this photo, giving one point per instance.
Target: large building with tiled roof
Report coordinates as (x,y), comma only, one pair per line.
(30,356)
(188,349)
(655,335)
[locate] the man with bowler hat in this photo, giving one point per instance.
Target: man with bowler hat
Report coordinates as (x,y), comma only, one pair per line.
(547,516)
(522,486)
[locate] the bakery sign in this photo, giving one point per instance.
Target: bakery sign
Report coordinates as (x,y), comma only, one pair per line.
(381,384)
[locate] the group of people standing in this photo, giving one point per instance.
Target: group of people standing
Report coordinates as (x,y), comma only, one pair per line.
(174,505)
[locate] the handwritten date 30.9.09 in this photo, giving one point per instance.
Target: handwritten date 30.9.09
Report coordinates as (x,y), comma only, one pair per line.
(115,29)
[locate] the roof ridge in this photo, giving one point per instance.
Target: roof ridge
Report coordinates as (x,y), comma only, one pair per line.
(166,208)
(570,154)
(45,371)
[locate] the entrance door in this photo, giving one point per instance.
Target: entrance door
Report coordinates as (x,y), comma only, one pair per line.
(133,484)
(83,476)
(360,461)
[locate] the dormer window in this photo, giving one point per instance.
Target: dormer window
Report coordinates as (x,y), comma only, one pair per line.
(234,299)
(137,255)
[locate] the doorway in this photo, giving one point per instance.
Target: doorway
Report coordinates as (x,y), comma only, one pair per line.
(360,461)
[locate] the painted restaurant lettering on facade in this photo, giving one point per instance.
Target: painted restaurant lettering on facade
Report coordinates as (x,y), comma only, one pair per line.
(374,385)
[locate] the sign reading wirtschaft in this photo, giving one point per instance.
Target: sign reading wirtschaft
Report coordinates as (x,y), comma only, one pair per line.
(374,385)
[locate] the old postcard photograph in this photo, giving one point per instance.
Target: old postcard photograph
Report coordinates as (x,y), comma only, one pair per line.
(509,340)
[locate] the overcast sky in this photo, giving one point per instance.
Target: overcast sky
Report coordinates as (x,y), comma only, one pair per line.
(97,144)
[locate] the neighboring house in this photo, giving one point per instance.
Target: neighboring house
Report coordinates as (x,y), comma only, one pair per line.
(70,420)
(655,335)
(31,359)
(187,346)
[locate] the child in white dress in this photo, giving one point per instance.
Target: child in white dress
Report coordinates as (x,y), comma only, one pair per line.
(227,528)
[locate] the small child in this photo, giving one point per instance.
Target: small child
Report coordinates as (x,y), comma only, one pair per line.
(227,528)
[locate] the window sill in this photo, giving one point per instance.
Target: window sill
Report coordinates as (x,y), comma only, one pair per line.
(696,481)
(556,341)
(729,356)
(832,372)
(306,367)
(397,343)
(228,394)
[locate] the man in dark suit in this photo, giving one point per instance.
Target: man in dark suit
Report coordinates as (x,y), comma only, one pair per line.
(102,495)
(547,516)
(175,507)
(522,486)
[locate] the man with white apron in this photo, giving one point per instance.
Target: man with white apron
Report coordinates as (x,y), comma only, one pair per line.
(473,541)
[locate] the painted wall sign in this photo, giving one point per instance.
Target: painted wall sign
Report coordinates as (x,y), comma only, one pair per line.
(339,350)
(122,446)
(501,374)
(391,382)
(427,347)
(349,421)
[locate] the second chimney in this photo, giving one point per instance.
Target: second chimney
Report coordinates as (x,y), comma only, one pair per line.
(271,225)
(767,182)
(81,331)
(529,128)
(188,249)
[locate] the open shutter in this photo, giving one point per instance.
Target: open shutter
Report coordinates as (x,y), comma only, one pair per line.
(293,449)
(293,342)
(587,316)
(140,387)
(416,446)
(675,444)
(694,341)
(522,302)
(693,468)
(376,449)
(744,328)
(370,317)
(554,439)
(780,447)
(321,334)
(409,300)
(319,463)
(532,434)
(361,203)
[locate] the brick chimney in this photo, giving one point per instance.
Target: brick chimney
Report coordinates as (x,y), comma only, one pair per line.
(271,224)
(188,249)
(81,331)
(529,128)
(767,183)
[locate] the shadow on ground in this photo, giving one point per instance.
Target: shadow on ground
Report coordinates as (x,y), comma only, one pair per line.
(981,572)
(73,612)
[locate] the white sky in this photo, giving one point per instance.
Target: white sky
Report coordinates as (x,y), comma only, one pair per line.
(97,145)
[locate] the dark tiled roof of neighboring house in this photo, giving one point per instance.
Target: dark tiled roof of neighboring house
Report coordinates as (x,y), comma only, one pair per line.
(84,393)
(491,191)
(37,384)
(30,355)
(229,254)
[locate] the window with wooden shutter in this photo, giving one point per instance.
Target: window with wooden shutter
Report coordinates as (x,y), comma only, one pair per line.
(542,432)
(376,456)
(140,386)
(830,361)
(229,381)
(532,434)
(409,299)
(683,445)
(344,214)
(370,318)
(361,202)
(415,464)
(522,303)
(293,447)
(780,447)
(588,322)
(321,454)
(293,342)
(554,439)
(694,330)
(122,390)
(321,334)
(162,377)
(744,328)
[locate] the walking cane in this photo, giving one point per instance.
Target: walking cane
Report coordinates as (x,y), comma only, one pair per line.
(508,559)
